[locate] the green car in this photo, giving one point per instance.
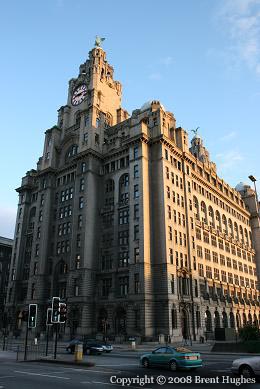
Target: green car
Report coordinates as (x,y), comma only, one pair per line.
(173,358)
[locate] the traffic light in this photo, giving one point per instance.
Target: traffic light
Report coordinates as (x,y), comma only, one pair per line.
(55,317)
(32,316)
(63,312)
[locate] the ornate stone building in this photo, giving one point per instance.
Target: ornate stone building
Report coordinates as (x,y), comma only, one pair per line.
(130,225)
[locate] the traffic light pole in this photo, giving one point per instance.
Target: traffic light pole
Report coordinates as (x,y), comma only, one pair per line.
(47,341)
(26,342)
(56,341)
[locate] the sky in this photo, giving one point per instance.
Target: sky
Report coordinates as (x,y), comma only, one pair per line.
(200,58)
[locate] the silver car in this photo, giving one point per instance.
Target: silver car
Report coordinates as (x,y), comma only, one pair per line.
(247,366)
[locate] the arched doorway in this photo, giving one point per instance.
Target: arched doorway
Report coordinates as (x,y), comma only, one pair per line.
(208,321)
(238,320)
(244,319)
(185,328)
(216,319)
(120,321)
(232,319)
(224,319)
(255,320)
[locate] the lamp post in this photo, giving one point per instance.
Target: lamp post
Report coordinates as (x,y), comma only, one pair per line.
(253,179)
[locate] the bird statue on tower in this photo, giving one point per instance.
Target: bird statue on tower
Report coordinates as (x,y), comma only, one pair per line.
(195,131)
(98,41)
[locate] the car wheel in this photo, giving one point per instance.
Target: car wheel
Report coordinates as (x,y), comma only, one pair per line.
(246,371)
(145,362)
(173,366)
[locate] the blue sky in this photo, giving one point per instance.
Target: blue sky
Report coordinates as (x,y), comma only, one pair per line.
(200,58)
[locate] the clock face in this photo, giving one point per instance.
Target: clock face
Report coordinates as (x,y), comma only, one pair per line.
(79,94)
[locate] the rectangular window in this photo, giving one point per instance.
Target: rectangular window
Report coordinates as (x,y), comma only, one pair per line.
(123,238)
(208,272)
(136,211)
(135,152)
(201,270)
(136,254)
(136,232)
(81,202)
(106,286)
(136,191)
(83,167)
(123,285)
(170,232)
(172,283)
(81,185)
(123,259)
(137,284)
(123,217)
(136,171)
(171,256)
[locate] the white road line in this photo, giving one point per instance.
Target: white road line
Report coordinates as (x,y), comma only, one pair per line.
(96,371)
(42,375)
(86,382)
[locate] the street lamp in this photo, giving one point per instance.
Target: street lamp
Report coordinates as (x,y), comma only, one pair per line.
(253,179)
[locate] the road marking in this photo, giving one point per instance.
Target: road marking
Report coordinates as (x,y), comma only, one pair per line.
(42,375)
(7,376)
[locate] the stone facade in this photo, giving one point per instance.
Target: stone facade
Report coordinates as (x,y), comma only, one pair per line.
(130,226)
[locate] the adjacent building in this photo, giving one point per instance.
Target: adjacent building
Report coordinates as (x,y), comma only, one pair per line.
(130,224)
(6,245)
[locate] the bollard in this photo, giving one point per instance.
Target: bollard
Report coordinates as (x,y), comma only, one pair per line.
(78,355)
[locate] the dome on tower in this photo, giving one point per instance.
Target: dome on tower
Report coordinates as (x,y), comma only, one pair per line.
(241,186)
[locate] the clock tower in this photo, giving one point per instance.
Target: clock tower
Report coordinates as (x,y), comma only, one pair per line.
(94,102)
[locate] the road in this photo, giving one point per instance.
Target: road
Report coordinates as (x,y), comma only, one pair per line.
(109,371)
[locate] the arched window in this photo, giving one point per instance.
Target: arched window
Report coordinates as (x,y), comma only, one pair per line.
(236,230)
(108,120)
(244,319)
(196,207)
(232,319)
(238,320)
(241,234)
(216,319)
(208,321)
(218,221)
(224,224)
(204,212)
(230,227)
(224,319)
(246,237)
(211,217)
